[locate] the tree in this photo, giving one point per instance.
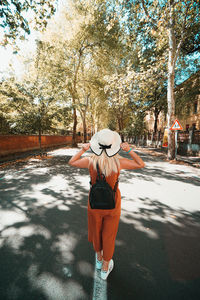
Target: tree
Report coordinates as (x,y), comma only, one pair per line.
(15,17)
(151,88)
(36,104)
(4,124)
(176,20)
(137,126)
(119,91)
(84,54)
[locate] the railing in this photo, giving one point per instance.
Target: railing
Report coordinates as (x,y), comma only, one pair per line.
(196,137)
(184,137)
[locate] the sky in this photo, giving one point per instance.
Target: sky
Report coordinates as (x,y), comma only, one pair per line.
(10,62)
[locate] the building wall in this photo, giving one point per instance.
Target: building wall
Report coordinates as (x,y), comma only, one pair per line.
(192,118)
(186,122)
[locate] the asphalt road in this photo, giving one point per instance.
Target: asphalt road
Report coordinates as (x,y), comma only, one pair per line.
(44,252)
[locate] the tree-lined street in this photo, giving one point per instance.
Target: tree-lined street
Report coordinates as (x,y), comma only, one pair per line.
(97,64)
(44,250)
(69,69)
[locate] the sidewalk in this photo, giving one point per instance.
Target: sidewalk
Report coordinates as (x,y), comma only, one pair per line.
(193,161)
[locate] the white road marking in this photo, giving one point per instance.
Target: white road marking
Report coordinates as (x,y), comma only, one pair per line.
(100,286)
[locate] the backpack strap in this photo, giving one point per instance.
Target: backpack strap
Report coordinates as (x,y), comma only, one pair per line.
(98,173)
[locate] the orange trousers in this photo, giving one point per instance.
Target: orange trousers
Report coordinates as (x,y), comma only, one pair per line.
(102,231)
(103,224)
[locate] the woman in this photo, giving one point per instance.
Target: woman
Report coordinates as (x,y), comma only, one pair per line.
(103,223)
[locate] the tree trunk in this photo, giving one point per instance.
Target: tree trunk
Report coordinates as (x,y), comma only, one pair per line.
(74,143)
(156,114)
(170,88)
(120,125)
(84,129)
(40,143)
(170,117)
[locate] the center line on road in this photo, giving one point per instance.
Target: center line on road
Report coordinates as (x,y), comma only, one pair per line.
(99,287)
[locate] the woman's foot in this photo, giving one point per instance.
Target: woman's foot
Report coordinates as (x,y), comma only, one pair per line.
(106,269)
(99,256)
(99,260)
(105,265)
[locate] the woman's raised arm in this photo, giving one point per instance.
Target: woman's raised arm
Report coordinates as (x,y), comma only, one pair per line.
(78,162)
(135,163)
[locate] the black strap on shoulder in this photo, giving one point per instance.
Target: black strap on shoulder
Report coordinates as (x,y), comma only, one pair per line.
(99,175)
(98,172)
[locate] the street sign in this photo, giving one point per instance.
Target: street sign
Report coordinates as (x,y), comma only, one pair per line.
(176,126)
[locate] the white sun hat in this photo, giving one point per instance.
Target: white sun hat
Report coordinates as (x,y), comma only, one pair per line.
(105,140)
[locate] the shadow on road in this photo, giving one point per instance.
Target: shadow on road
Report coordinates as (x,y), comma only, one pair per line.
(44,252)
(157,254)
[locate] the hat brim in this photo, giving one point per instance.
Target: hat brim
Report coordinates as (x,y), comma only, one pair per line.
(112,152)
(95,147)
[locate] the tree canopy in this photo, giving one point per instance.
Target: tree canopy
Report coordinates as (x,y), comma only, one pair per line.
(102,63)
(16,17)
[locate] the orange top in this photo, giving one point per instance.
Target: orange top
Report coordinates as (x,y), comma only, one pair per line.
(111,180)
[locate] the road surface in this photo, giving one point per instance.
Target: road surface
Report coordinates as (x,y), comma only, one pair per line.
(44,252)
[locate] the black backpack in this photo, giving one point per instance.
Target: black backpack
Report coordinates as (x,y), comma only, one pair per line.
(102,196)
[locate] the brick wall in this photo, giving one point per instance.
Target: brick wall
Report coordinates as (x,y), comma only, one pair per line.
(10,144)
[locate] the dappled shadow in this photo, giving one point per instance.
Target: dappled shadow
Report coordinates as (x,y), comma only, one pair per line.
(44,252)
(154,171)
(157,254)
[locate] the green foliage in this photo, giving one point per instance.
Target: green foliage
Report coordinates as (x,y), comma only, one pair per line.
(136,126)
(31,107)
(4,124)
(103,62)
(15,17)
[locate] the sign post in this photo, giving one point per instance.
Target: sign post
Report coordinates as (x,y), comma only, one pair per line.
(176,126)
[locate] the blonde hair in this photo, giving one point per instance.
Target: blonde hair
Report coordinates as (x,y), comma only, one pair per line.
(106,164)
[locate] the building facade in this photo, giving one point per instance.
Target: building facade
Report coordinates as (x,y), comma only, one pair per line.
(187,112)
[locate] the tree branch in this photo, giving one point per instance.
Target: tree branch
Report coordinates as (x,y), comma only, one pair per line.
(147,14)
(182,36)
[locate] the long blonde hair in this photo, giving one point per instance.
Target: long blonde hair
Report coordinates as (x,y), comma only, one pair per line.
(106,164)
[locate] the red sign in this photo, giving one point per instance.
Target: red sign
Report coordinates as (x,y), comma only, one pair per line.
(176,126)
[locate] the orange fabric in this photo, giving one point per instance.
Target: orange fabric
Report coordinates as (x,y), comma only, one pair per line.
(102,223)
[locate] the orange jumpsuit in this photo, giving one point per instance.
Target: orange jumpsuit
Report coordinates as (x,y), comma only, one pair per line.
(102,223)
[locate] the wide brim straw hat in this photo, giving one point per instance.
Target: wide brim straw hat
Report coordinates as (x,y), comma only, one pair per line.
(105,140)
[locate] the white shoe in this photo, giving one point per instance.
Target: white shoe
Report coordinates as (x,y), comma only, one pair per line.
(104,274)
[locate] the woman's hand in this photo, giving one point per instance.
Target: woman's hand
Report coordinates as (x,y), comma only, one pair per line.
(86,147)
(125,147)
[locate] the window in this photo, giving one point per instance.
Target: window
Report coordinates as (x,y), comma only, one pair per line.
(188,110)
(195,107)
